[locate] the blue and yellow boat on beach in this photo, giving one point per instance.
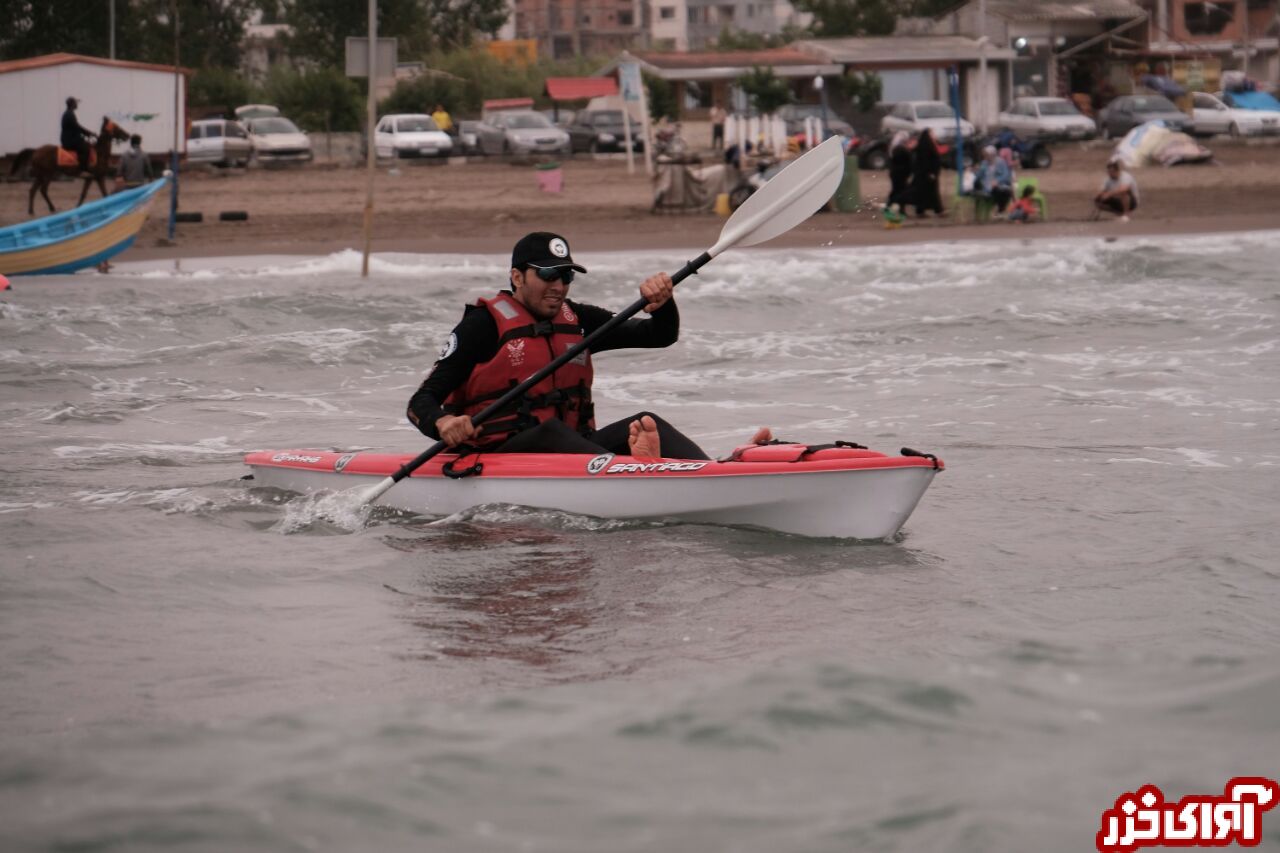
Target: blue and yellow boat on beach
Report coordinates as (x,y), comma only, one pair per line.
(75,239)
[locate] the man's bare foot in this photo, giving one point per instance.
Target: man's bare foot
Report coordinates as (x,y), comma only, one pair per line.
(764,435)
(644,440)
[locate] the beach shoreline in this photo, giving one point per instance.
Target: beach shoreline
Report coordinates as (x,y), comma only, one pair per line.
(484,205)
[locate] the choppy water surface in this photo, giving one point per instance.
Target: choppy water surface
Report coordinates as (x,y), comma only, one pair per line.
(1084,602)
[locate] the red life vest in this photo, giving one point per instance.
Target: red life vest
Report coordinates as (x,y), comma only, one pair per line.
(525,346)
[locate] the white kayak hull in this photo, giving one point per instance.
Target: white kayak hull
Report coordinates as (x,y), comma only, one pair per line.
(863,498)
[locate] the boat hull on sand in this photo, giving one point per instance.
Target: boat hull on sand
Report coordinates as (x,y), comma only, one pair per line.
(833,492)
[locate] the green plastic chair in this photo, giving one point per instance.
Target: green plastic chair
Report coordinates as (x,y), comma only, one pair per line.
(1037,196)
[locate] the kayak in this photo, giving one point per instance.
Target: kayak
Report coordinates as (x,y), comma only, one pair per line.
(840,490)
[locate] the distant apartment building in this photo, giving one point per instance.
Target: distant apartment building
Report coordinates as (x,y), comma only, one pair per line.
(1239,34)
(565,28)
(695,24)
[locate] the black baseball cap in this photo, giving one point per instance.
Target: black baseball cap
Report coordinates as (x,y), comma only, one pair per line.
(543,249)
(73,102)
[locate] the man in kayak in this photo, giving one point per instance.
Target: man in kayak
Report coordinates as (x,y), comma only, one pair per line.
(508,337)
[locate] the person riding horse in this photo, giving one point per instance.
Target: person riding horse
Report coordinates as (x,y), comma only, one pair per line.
(75,137)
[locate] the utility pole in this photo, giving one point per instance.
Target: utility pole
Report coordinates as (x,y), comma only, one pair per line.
(177,126)
(111,28)
(982,66)
(371,119)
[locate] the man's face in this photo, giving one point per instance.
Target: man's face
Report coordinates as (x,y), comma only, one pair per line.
(542,298)
(1113,171)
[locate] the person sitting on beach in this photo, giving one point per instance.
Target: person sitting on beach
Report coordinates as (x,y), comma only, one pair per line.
(1026,208)
(134,168)
(1119,193)
(994,179)
(506,338)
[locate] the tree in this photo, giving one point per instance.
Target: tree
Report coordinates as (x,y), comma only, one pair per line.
(319,99)
(452,24)
(219,87)
(35,27)
(766,90)
(321,27)
(662,97)
(833,18)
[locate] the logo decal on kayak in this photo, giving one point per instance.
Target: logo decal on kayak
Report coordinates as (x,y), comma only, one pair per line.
(653,467)
(294,457)
(597,463)
(343,460)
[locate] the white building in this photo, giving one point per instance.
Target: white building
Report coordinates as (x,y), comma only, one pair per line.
(693,24)
(137,96)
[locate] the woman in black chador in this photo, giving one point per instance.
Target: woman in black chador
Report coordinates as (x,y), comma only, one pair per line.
(926,166)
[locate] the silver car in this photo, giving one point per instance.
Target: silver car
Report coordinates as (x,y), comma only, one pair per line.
(915,116)
(1128,111)
(218,141)
(1047,118)
(521,132)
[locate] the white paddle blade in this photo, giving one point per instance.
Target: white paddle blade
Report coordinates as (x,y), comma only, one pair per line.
(789,198)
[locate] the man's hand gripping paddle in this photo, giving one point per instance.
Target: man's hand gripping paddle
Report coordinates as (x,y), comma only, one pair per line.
(789,198)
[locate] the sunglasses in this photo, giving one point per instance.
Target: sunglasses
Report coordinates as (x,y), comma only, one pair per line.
(565,274)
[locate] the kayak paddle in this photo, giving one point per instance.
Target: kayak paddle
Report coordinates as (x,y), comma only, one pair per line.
(789,198)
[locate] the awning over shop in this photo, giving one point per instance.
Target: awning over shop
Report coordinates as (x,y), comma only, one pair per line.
(580,88)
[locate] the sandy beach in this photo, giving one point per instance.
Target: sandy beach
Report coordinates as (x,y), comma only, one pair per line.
(484,205)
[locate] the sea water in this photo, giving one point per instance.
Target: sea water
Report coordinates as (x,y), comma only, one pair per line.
(1084,602)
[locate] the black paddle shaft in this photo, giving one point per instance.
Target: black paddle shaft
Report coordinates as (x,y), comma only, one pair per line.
(493,408)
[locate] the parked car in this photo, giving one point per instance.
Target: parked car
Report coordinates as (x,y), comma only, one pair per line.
(1046,118)
(1211,116)
(277,140)
(410,135)
(249,111)
(1126,112)
(873,152)
(915,116)
(795,114)
(560,118)
(1031,153)
(602,130)
(468,141)
(221,142)
(521,132)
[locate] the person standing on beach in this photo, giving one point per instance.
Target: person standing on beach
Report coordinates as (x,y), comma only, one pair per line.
(1119,192)
(442,119)
(899,173)
(926,167)
(134,168)
(506,338)
(717,126)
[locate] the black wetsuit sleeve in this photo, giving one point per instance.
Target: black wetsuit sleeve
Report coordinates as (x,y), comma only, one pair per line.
(477,342)
(660,329)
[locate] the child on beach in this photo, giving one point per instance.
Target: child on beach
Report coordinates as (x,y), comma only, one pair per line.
(1025,209)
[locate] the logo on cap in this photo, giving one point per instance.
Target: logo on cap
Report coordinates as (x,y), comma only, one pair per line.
(558,247)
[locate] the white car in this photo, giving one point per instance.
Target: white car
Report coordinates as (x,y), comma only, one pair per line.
(915,116)
(277,140)
(1213,116)
(218,141)
(1047,118)
(410,135)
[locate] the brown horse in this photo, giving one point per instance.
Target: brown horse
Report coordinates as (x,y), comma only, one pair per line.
(45,166)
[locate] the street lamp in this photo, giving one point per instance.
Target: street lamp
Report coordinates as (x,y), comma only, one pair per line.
(820,85)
